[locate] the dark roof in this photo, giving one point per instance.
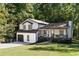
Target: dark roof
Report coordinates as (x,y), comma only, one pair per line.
(27,31)
(55,26)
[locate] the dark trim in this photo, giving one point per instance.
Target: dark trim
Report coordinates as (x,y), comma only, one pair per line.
(42,23)
(27,31)
(26,21)
(20,38)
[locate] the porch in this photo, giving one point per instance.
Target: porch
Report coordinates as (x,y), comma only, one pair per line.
(54,35)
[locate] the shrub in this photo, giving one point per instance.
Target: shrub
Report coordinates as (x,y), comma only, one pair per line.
(61,40)
(2,39)
(42,39)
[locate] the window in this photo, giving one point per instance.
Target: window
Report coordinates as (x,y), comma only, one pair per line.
(20,38)
(24,26)
(44,32)
(28,38)
(30,27)
(61,32)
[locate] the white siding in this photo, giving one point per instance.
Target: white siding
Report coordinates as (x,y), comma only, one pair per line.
(36,36)
(50,32)
(56,31)
(21,26)
(27,25)
(69,30)
(40,25)
(32,37)
(35,25)
(65,32)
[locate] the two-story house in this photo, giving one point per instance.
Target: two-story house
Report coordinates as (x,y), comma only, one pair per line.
(30,30)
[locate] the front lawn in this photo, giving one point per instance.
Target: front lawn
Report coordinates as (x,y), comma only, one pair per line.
(42,50)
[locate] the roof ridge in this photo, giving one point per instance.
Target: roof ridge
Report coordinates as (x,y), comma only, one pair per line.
(38,21)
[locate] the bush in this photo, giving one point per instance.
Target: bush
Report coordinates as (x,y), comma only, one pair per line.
(7,38)
(2,39)
(75,40)
(61,40)
(42,39)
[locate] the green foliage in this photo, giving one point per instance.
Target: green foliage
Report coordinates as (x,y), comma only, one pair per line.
(42,50)
(11,15)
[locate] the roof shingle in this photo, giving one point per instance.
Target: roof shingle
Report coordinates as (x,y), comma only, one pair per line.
(55,25)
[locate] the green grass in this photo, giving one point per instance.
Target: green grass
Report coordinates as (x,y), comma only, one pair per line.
(42,50)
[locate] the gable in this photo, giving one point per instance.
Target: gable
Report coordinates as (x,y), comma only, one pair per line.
(34,21)
(27,22)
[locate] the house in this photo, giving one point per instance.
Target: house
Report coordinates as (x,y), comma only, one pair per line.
(59,31)
(30,30)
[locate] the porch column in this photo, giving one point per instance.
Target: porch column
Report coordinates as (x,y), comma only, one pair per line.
(16,37)
(50,32)
(53,33)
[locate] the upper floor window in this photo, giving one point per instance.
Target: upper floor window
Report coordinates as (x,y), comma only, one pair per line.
(24,27)
(30,27)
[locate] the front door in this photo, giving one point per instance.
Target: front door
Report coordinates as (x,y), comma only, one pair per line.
(20,38)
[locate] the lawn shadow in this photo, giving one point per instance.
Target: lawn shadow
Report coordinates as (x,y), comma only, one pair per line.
(74,46)
(62,48)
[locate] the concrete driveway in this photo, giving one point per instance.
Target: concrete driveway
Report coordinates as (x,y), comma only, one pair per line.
(9,45)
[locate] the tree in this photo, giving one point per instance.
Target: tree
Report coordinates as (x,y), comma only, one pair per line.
(11,15)
(16,13)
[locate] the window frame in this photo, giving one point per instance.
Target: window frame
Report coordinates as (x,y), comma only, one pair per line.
(45,32)
(24,27)
(20,38)
(30,27)
(28,36)
(61,32)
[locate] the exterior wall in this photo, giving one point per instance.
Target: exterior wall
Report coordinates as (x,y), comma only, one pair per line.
(57,31)
(36,36)
(21,25)
(40,25)
(34,25)
(70,30)
(41,32)
(27,25)
(50,32)
(32,37)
